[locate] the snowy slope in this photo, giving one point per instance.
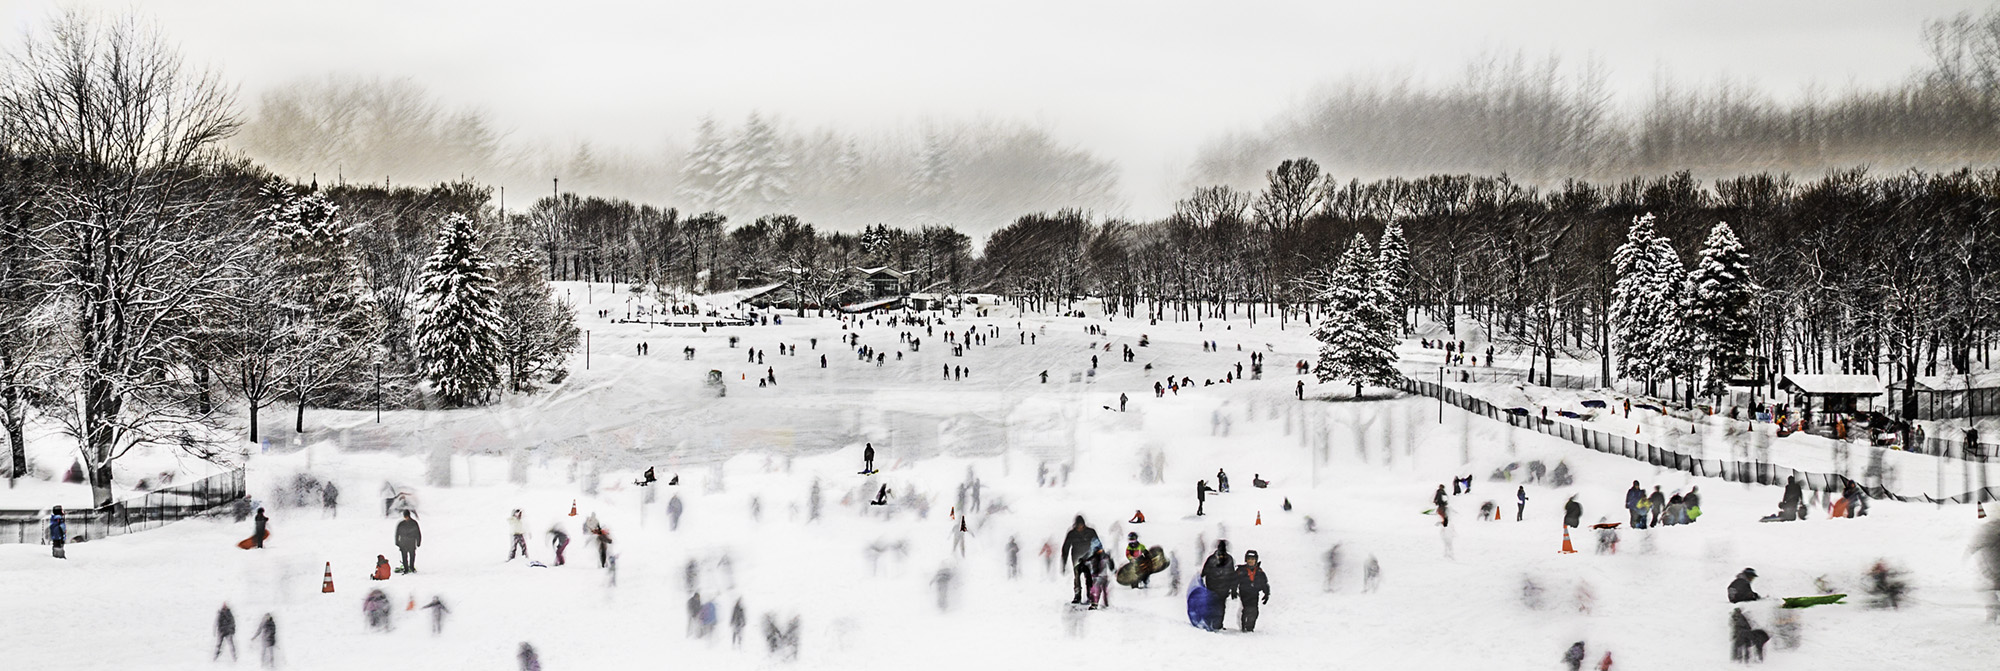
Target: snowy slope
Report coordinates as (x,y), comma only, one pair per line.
(1657,604)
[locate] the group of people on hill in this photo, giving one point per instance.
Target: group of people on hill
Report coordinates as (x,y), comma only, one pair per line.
(1656,509)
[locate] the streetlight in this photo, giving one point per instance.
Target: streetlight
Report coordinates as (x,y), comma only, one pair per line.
(378,391)
(1440,393)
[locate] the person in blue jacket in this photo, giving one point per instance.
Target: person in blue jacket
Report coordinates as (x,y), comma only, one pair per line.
(58,532)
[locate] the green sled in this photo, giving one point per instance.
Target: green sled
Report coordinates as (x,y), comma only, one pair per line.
(1810,601)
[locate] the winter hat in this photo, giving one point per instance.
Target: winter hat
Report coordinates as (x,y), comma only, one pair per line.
(1132,536)
(1247,556)
(1749,573)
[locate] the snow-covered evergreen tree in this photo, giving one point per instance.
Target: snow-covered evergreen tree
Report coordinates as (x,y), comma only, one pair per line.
(1392,262)
(539,330)
(458,317)
(758,177)
(1357,336)
(703,173)
(1718,309)
(1673,340)
(1636,296)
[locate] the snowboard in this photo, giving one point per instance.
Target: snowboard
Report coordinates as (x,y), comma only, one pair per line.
(1810,601)
(1606,525)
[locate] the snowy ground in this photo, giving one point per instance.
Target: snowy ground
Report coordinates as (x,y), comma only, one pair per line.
(148,600)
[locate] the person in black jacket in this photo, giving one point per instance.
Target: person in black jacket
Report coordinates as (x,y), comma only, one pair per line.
(1632,498)
(266,637)
(867,457)
(1251,583)
(225,632)
(1218,575)
(1739,589)
(261,531)
(408,537)
(1077,545)
(1201,490)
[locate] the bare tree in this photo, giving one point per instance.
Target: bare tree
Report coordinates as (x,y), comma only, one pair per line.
(134,228)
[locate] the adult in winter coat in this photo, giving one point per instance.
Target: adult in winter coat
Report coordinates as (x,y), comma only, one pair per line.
(1572,513)
(1632,498)
(1739,589)
(1201,490)
(1656,505)
(674,509)
(1520,502)
(1078,544)
(59,532)
(737,620)
(225,632)
(520,542)
(1221,481)
(266,637)
(261,531)
(1692,504)
(1253,588)
(1789,507)
(408,537)
(1218,575)
(867,454)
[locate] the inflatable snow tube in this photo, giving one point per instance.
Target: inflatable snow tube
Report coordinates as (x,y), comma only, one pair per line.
(1198,606)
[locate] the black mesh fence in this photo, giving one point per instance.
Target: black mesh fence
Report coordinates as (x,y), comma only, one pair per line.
(154,509)
(1735,471)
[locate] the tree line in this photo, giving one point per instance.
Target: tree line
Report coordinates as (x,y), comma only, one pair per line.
(153,282)
(1892,275)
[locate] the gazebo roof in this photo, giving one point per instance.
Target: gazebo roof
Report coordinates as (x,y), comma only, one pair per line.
(1835,385)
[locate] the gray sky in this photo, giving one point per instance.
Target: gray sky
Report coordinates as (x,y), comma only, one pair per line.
(1143,83)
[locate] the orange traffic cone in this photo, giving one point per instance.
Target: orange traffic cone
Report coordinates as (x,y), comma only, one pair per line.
(953,514)
(1567,548)
(413,603)
(1260,519)
(326,586)
(572,507)
(1496,515)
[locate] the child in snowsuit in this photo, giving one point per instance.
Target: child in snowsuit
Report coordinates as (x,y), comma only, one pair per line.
(1250,584)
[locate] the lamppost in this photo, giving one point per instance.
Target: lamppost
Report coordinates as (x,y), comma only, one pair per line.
(378,391)
(586,349)
(1440,394)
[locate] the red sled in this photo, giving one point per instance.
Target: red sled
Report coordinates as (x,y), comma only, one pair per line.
(1606,525)
(248,543)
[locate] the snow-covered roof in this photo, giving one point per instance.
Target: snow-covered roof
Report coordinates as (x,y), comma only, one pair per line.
(1857,385)
(1986,380)
(882,270)
(869,305)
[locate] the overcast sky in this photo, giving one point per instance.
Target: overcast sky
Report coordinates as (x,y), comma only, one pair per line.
(1142,83)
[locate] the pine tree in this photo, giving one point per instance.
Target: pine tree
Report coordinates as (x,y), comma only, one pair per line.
(702,175)
(1672,338)
(538,330)
(1392,260)
(1718,309)
(1357,334)
(458,317)
(758,177)
(1635,301)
